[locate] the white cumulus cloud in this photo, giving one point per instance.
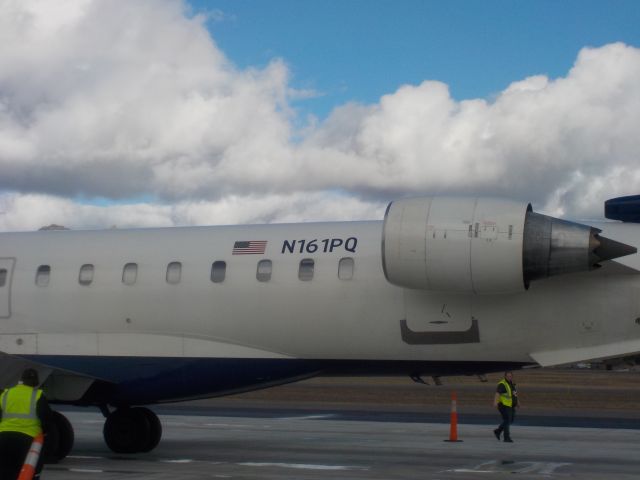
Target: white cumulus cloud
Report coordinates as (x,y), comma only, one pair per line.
(544,140)
(123,100)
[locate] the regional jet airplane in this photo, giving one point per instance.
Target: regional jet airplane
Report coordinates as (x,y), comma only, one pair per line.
(119,319)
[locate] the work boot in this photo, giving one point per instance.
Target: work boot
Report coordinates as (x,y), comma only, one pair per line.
(508,440)
(497,433)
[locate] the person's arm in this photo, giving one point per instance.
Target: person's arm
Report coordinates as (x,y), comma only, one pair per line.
(500,390)
(44,413)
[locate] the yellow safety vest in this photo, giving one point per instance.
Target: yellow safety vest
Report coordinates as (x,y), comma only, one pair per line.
(19,410)
(506,398)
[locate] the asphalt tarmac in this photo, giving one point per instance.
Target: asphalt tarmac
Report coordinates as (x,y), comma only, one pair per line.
(254,443)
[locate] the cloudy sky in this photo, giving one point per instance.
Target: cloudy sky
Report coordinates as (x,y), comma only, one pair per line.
(165,112)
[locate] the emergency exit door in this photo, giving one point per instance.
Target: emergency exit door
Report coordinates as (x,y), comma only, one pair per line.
(6,271)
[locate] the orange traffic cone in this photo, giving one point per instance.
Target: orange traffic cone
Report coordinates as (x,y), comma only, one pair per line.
(453,430)
(29,467)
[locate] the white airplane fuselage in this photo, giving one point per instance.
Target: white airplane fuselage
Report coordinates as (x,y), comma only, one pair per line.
(109,335)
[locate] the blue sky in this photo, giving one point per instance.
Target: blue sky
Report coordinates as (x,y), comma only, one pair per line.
(359,50)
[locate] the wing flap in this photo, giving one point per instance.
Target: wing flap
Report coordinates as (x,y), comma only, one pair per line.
(58,385)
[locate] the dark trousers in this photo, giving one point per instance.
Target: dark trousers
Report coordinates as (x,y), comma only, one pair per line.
(507,419)
(14,447)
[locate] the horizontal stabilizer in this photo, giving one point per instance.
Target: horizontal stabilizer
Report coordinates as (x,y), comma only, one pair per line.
(624,209)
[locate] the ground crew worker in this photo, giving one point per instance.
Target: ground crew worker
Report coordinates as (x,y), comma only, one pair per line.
(506,400)
(24,413)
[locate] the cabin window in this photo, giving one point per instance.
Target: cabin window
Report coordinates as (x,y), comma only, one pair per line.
(345,268)
(3,277)
(305,270)
(42,276)
(130,273)
(218,271)
(263,273)
(174,272)
(86,274)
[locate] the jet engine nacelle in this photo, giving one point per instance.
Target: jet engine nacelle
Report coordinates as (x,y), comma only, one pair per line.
(484,245)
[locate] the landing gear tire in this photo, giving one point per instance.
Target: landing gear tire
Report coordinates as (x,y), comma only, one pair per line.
(155,432)
(59,439)
(132,430)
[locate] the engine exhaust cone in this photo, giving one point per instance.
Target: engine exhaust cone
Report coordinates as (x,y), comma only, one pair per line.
(610,249)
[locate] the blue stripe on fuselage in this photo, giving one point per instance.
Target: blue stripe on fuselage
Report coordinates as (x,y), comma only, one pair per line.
(147,380)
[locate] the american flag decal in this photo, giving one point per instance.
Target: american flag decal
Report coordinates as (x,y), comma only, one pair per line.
(249,247)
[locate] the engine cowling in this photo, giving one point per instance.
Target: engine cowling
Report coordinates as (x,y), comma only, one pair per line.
(484,245)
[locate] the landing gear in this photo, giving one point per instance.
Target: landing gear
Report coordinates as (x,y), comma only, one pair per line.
(59,439)
(132,430)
